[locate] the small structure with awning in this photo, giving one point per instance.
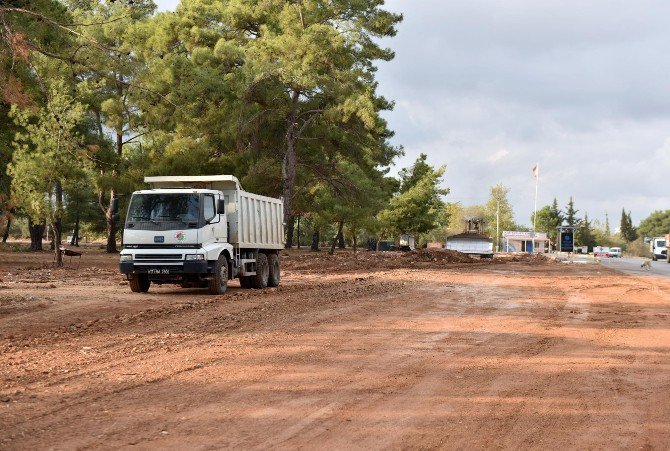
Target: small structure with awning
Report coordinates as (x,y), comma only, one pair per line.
(531,242)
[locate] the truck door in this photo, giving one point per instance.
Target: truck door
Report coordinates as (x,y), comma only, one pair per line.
(208,232)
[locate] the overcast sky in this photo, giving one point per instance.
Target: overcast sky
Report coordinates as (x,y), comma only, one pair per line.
(490,88)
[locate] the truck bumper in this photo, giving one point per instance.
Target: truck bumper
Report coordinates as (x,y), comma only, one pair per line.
(188,267)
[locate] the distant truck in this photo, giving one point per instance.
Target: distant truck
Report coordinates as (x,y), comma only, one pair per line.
(201,231)
(658,248)
(471,243)
(616,252)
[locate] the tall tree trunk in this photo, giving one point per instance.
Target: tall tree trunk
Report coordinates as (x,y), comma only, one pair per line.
(298,220)
(289,167)
(288,174)
(340,239)
(75,232)
(109,218)
(339,232)
(36,233)
(315,240)
(111,227)
(290,228)
(5,235)
(56,225)
(353,240)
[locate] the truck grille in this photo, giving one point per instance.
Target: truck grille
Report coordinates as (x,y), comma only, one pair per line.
(159,257)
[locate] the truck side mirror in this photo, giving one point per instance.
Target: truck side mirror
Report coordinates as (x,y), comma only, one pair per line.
(115,205)
(221,206)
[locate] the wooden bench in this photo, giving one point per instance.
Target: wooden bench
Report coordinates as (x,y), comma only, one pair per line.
(65,252)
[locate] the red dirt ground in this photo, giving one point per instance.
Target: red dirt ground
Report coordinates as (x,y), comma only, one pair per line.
(418,350)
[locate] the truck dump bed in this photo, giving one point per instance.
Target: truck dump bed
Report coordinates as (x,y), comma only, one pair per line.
(254,221)
(470,243)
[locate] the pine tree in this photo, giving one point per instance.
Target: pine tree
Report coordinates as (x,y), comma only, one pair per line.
(656,224)
(416,209)
(608,231)
(43,160)
(571,218)
(632,230)
(585,235)
(627,231)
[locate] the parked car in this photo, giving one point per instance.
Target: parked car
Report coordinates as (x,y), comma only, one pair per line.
(601,251)
(616,252)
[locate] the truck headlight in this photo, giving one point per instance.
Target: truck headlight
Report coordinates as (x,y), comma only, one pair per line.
(195,257)
(126,257)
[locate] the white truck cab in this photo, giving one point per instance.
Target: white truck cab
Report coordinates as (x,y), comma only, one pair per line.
(201,231)
(658,248)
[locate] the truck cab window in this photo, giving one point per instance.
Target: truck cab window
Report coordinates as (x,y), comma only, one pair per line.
(209,210)
(163,208)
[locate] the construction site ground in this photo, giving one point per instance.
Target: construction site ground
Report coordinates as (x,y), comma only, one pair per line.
(374,350)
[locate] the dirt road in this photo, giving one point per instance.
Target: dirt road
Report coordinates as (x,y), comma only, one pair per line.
(462,355)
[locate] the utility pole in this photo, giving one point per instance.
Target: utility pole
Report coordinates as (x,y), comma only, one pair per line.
(536,173)
(498,226)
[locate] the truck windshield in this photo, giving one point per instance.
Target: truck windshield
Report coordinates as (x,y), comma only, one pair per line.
(660,243)
(164,207)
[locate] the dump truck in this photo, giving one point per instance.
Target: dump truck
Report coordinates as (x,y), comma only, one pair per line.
(472,241)
(201,231)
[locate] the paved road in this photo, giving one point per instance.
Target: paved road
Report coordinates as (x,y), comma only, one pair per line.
(632,266)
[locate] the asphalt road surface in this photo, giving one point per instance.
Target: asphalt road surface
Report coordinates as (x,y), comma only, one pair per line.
(633,266)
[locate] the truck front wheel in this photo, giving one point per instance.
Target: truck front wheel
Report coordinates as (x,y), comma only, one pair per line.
(260,280)
(219,281)
(273,280)
(139,283)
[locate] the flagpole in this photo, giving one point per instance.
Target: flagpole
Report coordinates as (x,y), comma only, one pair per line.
(537,181)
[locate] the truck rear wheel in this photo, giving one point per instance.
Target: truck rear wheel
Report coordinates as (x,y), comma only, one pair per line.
(219,281)
(273,280)
(139,283)
(260,280)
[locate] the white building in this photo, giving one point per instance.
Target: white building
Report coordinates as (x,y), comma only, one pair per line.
(531,242)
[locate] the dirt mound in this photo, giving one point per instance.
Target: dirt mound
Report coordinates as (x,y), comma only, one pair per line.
(438,255)
(348,261)
(523,257)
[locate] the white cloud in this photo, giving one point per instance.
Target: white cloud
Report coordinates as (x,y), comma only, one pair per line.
(579,87)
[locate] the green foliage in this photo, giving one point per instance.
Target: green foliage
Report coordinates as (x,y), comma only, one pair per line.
(498,207)
(585,236)
(656,224)
(47,152)
(281,94)
(441,231)
(417,208)
(626,228)
(571,219)
(289,86)
(409,177)
(548,219)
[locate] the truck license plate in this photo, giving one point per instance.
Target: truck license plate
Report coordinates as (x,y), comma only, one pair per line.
(158,271)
